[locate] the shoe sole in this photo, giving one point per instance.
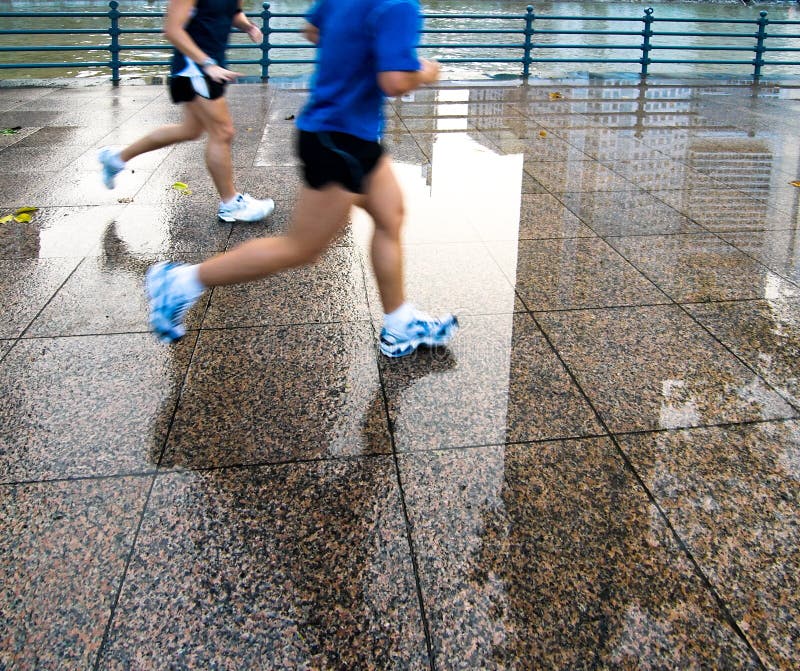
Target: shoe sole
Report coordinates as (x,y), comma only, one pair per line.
(233,220)
(415,344)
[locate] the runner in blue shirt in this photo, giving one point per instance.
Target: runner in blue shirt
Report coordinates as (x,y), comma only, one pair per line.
(199,31)
(366,51)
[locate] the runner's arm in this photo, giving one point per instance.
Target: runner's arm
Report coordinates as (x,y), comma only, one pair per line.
(311,33)
(398,82)
(178,14)
(244,24)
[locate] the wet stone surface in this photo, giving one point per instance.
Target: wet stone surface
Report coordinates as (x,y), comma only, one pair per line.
(600,471)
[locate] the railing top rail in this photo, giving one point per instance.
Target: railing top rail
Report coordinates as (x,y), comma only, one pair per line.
(52,15)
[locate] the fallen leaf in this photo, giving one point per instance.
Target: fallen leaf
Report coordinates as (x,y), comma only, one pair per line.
(23,218)
(25,208)
(125,200)
(6,219)
(542,133)
(795,183)
(183,188)
(555,95)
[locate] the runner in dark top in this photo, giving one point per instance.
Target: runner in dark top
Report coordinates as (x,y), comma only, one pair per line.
(366,51)
(199,30)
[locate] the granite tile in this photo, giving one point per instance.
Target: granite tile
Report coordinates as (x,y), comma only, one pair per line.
(14,96)
(498,380)
(405,148)
(40,159)
(105,295)
(654,368)
(775,249)
(552,557)
(277,146)
(695,268)
(332,290)
(76,407)
(184,225)
(281,183)
(268,395)
(572,273)
(21,116)
(159,188)
(613,146)
(541,216)
(724,210)
(732,494)
(17,136)
(26,285)
(531,185)
(581,176)
(291,566)
(64,548)
(627,213)
(765,334)
(538,145)
(83,187)
(5,346)
(458,278)
(662,173)
(18,188)
(56,232)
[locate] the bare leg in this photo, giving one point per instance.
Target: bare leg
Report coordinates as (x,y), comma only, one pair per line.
(190,129)
(216,119)
(319,215)
(383,201)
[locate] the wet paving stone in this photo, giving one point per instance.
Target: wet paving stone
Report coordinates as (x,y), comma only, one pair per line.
(96,405)
(64,547)
(242,568)
(550,556)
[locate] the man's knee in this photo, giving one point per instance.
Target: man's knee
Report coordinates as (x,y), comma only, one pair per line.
(222,132)
(389,219)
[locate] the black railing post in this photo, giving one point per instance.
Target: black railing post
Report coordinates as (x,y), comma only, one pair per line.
(761,36)
(113,15)
(526,65)
(647,33)
(266,15)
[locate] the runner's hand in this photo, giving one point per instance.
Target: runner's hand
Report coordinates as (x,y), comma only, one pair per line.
(255,33)
(429,71)
(219,74)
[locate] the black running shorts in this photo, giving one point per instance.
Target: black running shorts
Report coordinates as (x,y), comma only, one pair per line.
(337,158)
(184,89)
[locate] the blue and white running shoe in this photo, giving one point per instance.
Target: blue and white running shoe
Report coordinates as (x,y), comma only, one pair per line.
(422,330)
(112,165)
(168,305)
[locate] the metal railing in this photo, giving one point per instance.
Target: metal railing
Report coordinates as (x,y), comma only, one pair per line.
(528,39)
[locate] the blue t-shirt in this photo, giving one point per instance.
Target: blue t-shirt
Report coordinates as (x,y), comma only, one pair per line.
(210,27)
(358,39)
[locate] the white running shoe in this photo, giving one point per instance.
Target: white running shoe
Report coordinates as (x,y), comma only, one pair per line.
(112,165)
(245,208)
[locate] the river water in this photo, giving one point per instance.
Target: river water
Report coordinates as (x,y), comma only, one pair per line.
(609,11)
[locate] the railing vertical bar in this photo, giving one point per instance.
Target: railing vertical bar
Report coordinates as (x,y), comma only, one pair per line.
(647,33)
(266,29)
(526,67)
(761,37)
(114,31)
